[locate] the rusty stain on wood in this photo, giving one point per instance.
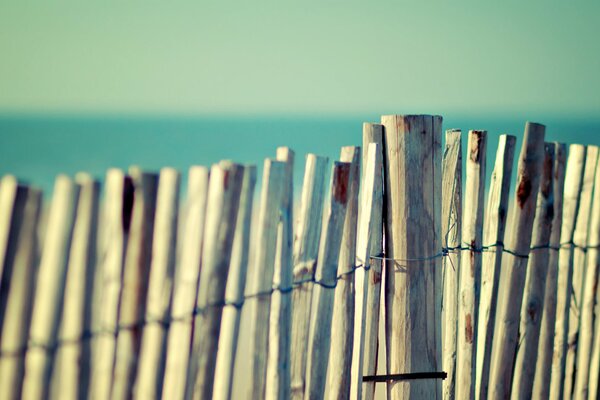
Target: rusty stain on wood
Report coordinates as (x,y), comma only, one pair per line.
(523,190)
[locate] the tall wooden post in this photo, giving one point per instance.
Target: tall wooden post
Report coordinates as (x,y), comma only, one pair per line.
(512,278)
(413,221)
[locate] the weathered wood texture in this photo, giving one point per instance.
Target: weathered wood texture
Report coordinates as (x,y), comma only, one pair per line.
(9,188)
(535,282)
(187,273)
(587,299)
(325,276)
(342,324)
(493,235)
(221,216)
(573,185)
(149,380)
(306,247)
(132,308)
(278,357)
(513,270)
(73,359)
(580,240)
(451,234)
(234,293)
(115,222)
(368,283)
(541,382)
(413,221)
(470,266)
(49,293)
(18,287)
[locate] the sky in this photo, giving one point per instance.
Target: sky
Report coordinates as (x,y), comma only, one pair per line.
(300,58)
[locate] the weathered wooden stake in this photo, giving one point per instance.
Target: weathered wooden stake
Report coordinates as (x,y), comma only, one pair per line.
(535,282)
(573,184)
(493,235)
(186,285)
(412,230)
(512,278)
(306,247)
(451,234)
(541,383)
(326,275)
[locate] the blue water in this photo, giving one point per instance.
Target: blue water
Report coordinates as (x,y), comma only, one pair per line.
(37,148)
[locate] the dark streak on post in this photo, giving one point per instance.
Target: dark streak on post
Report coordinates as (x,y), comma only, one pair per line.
(472,255)
(128,198)
(468,329)
(523,190)
(226,179)
(376,277)
(340,182)
(476,146)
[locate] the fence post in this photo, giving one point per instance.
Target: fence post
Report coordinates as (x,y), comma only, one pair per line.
(278,357)
(187,273)
(493,235)
(541,382)
(573,185)
(306,247)
(9,189)
(587,299)
(149,380)
(221,214)
(234,293)
(48,300)
(512,279)
(326,278)
(368,283)
(342,322)
(21,260)
(73,359)
(451,234)
(412,232)
(470,267)
(132,308)
(535,282)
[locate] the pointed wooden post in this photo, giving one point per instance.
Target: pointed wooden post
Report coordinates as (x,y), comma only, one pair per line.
(221,215)
(451,234)
(535,283)
(326,278)
(573,184)
(18,292)
(541,384)
(114,224)
(186,285)
(512,279)
(234,294)
(132,308)
(493,235)
(470,267)
(342,324)
(48,301)
(9,189)
(306,247)
(74,356)
(412,232)
(149,381)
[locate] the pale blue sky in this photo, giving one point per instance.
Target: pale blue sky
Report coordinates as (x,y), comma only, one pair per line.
(301,57)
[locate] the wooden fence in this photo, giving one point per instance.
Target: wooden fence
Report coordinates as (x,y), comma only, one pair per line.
(137,297)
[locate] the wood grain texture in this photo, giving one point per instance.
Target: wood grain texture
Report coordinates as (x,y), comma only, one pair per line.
(150,374)
(134,289)
(513,272)
(413,221)
(306,247)
(49,291)
(451,234)
(470,266)
(493,233)
(187,273)
(573,185)
(8,196)
(541,383)
(326,274)
(342,323)
(221,216)
(234,293)
(535,282)
(18,288)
